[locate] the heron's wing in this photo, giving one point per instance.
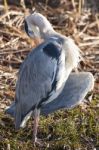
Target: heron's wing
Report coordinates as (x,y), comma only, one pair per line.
(36,78)
(75,89)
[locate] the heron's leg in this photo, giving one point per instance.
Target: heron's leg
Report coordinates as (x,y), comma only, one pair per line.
(36,121)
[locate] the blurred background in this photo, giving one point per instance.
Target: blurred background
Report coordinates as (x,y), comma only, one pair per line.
(75,129)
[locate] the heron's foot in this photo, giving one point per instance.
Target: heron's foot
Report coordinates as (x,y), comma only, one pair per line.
(38,142)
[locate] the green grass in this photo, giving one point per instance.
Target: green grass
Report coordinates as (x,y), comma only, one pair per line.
(75,129)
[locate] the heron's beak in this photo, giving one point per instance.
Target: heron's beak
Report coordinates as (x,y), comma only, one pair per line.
(37,41)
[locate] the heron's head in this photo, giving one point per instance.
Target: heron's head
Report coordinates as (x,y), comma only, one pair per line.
(36,25)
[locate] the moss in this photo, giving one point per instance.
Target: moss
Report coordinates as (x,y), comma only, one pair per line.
(73,129)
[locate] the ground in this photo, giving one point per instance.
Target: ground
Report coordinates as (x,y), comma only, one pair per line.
(76,129)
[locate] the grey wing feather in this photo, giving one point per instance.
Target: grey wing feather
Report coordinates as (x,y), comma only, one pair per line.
(75,89)
(34,82)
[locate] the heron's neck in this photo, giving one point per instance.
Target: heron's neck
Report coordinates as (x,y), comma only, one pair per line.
(49,33)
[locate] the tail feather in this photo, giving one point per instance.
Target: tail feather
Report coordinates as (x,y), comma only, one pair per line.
(18,116)
(11,110)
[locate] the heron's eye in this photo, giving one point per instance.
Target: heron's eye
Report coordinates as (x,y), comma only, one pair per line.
(30,32)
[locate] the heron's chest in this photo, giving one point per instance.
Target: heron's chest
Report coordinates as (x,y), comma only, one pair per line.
(61,78)
(61,74)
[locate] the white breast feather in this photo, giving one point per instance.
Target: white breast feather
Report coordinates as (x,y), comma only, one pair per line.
(69,59)
(73,53)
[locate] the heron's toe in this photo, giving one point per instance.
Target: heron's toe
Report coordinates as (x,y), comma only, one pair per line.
(38,142)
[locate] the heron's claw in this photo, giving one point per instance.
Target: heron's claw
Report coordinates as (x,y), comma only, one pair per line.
(38,142)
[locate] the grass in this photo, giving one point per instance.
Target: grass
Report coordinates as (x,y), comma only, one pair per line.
(73,129)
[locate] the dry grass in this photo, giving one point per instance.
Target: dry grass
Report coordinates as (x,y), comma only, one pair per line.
(80,125)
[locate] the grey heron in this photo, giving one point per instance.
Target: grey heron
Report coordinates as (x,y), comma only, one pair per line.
(43,81)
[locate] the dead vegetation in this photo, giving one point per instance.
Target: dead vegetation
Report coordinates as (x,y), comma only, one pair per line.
(71,19)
